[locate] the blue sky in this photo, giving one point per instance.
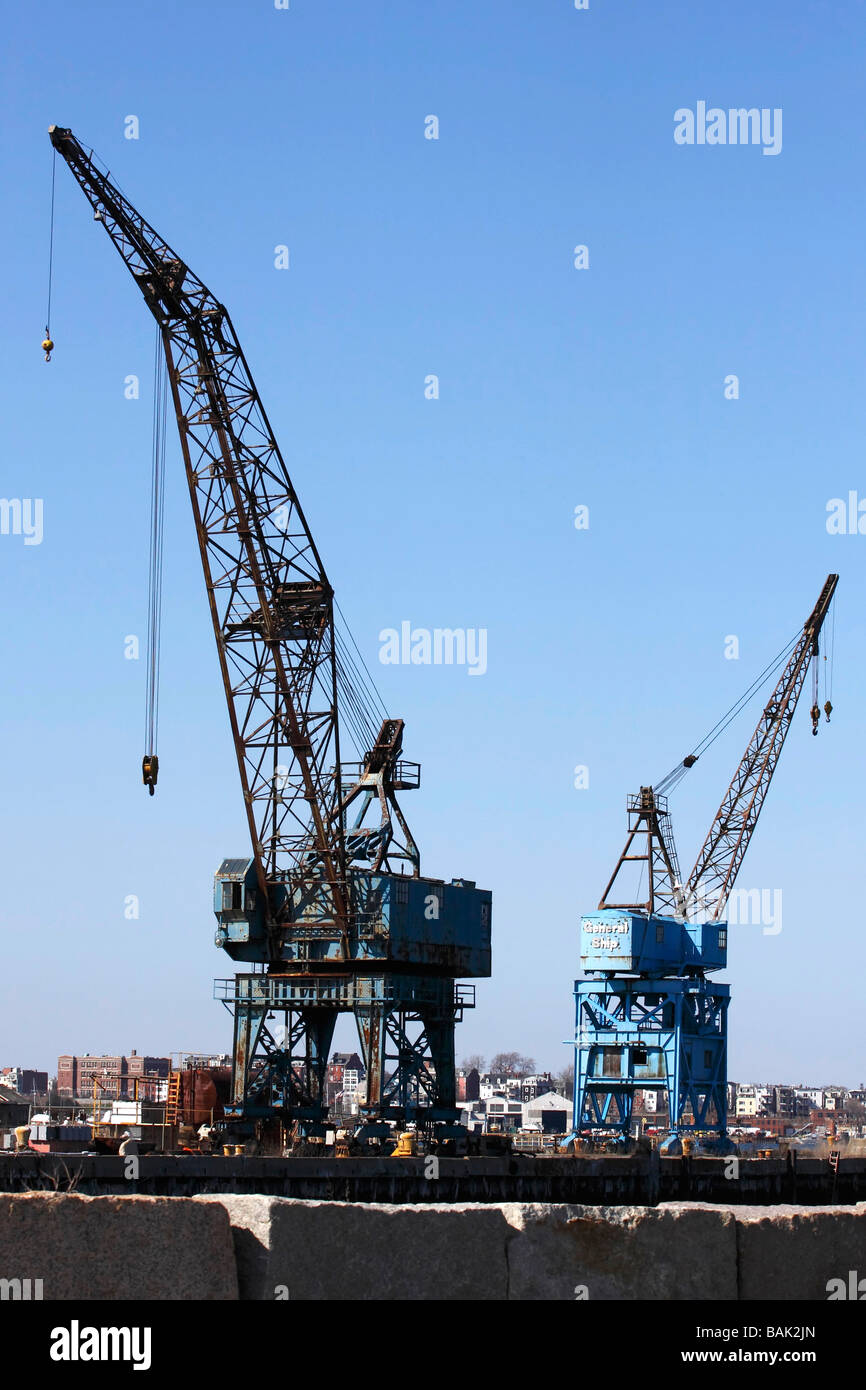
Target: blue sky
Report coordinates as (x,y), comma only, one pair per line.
(558,387)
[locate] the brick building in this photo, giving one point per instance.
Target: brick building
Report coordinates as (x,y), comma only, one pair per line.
(112,1077)
(25,1080)
(468,1084)
(343,1067)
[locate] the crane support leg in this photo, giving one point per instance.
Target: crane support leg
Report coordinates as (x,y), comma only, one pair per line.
(406,1031)
(667,1036)
(280,1070)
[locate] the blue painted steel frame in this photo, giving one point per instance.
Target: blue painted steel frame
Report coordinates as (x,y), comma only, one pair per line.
(650,1034)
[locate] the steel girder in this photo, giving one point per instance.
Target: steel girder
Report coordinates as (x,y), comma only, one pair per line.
(405,1021)
(649,818)
(650,1034)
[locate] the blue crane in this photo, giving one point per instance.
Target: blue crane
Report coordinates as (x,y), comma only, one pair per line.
(648,1015)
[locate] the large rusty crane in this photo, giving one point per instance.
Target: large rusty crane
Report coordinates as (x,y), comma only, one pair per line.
(335,917)
(647,1015)
(270,600)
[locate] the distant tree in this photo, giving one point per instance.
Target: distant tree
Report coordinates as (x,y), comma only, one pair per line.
(512,1064)
(474,1063)
(565,1081)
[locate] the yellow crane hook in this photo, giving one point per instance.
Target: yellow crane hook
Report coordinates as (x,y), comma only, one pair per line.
(47,348)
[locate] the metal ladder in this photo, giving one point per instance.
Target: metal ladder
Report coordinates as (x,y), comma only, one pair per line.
(172,1102)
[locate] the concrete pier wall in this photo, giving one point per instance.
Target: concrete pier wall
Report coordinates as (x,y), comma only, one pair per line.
(612,1180)
(114,1248)
(68,1246)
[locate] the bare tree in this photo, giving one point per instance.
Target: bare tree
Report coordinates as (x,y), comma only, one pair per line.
(473,1063)
(512,1064)
(564,1081)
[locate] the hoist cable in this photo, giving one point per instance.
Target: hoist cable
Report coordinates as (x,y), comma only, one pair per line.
(355,695)
(157,513)
(348,706)
(51,247)
(828,673)
(356,713)
(675,776)
(371,683)
(735,709)
(360,697)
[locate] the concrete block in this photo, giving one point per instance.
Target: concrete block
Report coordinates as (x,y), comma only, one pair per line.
(676,1251)
(792,1253)
(298,1250)
(116,1247)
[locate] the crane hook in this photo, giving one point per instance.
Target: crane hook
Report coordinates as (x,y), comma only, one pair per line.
(828,710)
(150,771)
(47,348)
(815,712)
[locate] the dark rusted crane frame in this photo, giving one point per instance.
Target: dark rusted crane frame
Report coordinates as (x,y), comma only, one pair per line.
(274,636)
(272,610)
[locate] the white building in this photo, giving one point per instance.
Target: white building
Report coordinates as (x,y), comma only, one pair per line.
(490,1086)
(813,1094)
(502,1112)
(754,1100)
(471,1115)
(835,1097)
(551,1110)
(351,1082)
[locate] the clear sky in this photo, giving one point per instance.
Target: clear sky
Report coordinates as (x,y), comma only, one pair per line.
(558,387)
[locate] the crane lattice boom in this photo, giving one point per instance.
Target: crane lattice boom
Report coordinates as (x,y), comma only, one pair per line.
(707,888)
(270,600)
(718,863)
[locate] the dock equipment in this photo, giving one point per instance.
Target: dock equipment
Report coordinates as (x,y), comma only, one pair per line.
(648,1015)
(331,913)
